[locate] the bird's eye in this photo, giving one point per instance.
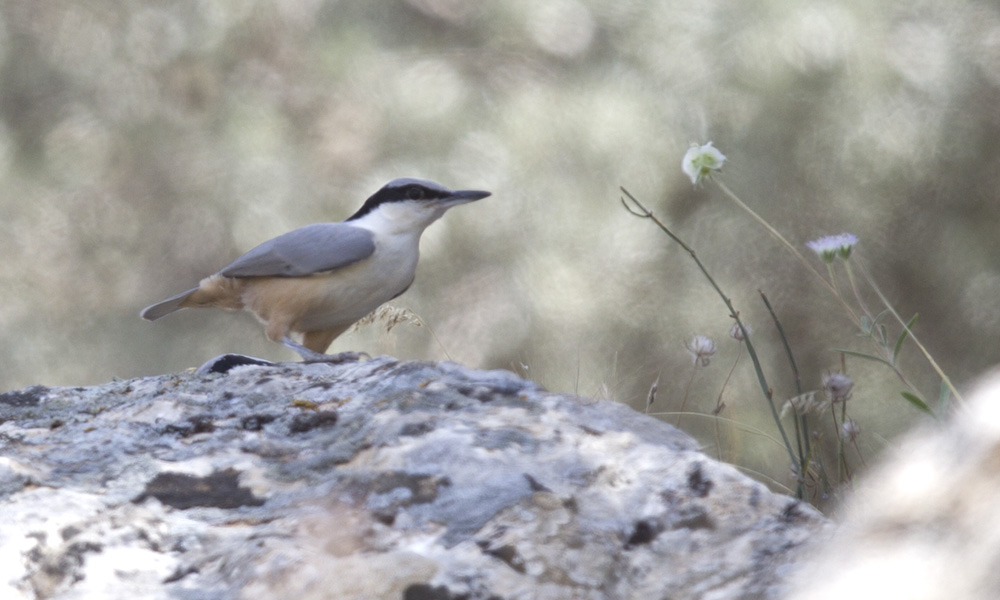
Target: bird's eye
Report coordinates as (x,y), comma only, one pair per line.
(415,193)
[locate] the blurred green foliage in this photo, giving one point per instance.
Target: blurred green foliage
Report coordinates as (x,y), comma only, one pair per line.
(143,145)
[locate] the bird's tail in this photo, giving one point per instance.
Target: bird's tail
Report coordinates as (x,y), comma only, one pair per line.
(165,307)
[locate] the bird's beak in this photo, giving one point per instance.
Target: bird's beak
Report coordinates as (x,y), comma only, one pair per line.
(463,196)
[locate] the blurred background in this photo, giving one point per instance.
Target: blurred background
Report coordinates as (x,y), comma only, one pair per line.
(144,145)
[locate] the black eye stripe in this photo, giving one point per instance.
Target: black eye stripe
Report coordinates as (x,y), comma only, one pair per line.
(401,190)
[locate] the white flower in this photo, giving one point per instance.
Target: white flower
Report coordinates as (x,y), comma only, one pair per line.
(837,387)
(832,246)
(737,334)
(702,349)
(700,161)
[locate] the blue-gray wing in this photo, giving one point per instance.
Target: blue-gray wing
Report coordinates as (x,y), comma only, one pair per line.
(305,251)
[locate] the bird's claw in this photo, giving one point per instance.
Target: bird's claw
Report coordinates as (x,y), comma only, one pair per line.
(311,356)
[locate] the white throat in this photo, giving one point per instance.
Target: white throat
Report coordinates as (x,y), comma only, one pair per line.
(401,218)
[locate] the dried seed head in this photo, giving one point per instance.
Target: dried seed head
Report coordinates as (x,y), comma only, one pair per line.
(837,387)
(389,316)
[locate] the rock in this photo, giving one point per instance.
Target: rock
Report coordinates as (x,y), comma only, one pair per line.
(376,479)
(924,525)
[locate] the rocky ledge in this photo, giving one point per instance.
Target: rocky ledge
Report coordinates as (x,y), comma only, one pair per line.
(373,479)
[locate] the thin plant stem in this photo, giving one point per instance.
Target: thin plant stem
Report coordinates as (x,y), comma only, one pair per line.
(718,401)
(858,450)
(819,462)
(687,390)
(788,350)
(840,443)
(850,311)
(737,425)
(435,337)
(937,368)
(833,279)
(645,213)
(795,251)
(719,404)
(854,288)
(718,442)
(840,439)
(803,433)
(762,476)
(576,382)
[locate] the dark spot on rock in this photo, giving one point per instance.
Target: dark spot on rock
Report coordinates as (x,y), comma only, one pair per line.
(304,422)
(28,397)
(423,488)
(591,430)
(65,564)
(416,429)
(202,424)
(152,542)
(256,422)
(196,424)
(425,591)
(506,553)
(181,429)
(754,500)
(479,392)
(321,385)
(511,387)
(404,368)
(385,516)
(792,511)
(56,424)
(535,486)
(697,482)
(643,533)
(505,437)
(180,573)
(219,490)
(70,531)
(81,548)
(691,517)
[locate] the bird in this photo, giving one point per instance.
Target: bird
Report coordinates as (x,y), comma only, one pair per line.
(320,279)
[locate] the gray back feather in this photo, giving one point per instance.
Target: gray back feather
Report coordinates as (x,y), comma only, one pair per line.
(305,251)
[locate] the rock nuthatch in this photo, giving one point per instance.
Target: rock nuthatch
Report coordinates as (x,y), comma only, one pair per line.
(320,279)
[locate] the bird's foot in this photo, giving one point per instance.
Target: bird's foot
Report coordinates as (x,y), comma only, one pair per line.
(311,356)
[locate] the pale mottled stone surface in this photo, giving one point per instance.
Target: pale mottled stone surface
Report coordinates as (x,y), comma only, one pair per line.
(925,524)
(378,479)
